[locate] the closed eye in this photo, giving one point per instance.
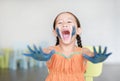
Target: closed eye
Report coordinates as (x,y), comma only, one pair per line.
(59,22)
(69,21)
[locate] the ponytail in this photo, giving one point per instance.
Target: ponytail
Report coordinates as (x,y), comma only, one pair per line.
(79,41)
(57,41)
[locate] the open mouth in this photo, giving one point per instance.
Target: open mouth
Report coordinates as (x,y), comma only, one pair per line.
(66,34)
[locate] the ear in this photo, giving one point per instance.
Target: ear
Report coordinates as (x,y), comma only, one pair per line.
(79,31)
(54,33)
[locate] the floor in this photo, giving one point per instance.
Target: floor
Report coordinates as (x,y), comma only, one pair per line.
(110,73)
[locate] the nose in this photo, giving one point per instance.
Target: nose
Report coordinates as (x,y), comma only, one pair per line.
(65,24)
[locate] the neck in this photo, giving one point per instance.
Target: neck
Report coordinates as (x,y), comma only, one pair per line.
(67,47)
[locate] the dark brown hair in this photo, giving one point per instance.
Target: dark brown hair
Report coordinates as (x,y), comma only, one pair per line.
(78,25)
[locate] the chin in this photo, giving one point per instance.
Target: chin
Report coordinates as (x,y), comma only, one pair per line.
(69,41)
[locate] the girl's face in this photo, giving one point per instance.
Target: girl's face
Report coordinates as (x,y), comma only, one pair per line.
(66,28)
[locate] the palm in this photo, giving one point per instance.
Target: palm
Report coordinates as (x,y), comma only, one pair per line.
(98,57)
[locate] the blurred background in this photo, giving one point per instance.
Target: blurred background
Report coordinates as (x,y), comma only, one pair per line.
(28,22)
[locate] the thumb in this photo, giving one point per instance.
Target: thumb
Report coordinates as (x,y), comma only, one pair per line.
(52,52)
(29,55)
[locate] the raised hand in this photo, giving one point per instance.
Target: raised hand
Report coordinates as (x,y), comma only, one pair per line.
(98,57)
(38,54)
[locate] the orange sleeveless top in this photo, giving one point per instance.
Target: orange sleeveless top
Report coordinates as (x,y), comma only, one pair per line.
(62,68)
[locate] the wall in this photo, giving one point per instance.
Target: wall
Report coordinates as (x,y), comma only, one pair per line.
(25,22)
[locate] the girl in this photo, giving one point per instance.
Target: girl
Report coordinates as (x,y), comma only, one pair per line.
(66,61)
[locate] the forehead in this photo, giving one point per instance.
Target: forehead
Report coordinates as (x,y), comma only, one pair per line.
(65,16)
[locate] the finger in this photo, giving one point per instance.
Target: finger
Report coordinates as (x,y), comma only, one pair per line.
(105,50)
(95,52)
(52,52)
(30,49)
(35,48)
(40,50)
(108,54)
(100,49)
(29,55)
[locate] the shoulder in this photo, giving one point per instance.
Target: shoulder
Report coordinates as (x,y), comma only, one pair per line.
(83,49)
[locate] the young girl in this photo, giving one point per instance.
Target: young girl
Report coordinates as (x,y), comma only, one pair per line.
(66,61)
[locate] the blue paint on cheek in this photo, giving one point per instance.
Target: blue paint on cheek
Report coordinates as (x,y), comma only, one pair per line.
(73,30)
(58,32)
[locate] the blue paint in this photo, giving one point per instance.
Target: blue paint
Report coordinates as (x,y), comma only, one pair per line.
(58,32)
(73,30)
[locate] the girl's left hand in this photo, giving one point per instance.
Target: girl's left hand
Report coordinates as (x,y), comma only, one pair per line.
(98,57)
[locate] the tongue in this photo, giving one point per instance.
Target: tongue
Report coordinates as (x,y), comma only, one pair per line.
(66,36)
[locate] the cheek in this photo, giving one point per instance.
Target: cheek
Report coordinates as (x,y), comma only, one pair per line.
(73,30)
(58,32)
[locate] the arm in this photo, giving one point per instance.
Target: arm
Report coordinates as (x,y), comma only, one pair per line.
(87,52)
(97,56)
(39,54)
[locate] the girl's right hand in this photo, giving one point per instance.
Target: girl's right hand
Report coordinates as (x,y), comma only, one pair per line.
(39,54)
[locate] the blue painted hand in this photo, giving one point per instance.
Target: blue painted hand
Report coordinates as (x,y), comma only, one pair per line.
(38,54)
(98,57)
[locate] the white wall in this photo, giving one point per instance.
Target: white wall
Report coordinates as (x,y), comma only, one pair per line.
(25,22)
